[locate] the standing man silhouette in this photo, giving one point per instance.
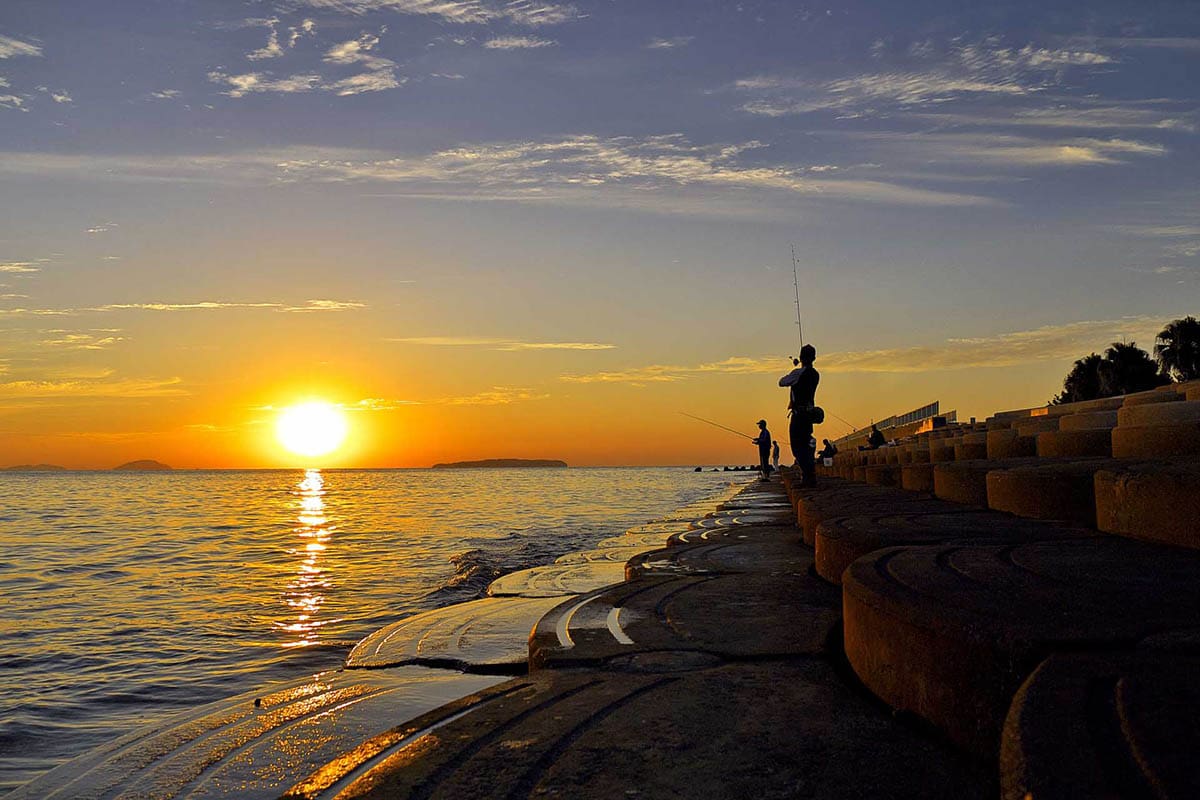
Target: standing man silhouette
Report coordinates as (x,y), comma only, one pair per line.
(763,440)
(802,383)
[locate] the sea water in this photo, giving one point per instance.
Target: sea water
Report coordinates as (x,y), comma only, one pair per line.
(130,596)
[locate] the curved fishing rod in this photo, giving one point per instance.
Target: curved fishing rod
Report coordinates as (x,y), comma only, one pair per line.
(722,427)
(796,285)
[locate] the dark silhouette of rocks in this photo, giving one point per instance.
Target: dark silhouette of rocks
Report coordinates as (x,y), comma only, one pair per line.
(34,468)
(496,463)
(143,465)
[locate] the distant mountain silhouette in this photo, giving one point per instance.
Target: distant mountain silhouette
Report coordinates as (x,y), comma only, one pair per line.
(144,465)
(502,462)
(34,468)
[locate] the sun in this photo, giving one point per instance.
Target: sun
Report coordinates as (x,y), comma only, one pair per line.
(311,429)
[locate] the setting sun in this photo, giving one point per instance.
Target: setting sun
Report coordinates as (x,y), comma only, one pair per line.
(311,429)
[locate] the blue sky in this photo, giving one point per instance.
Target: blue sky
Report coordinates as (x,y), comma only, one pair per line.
(610,188)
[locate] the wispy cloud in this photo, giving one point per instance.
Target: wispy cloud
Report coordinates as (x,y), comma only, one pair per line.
(530,13)
(963,70)
(256,82)
(377,73)
(659,174)
(308,306)
(165,94)
(983,147)
(584,165)
(100,339)
(11,48)
(499,344)
(1047,343)
(518,43)
(272,48)
(128,387)
(496,396)
(671,43)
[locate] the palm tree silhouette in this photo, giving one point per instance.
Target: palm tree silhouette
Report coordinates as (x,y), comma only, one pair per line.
(1177,349)
(1123,369)
(1127,368)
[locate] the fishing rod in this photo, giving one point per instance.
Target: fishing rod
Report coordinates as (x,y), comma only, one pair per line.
(796,285)
(717,425)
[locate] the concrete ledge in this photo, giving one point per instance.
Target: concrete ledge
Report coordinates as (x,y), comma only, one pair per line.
(949,633)
(965,482)
(1075,444)
(883,475)
(917,478)
(1119,725)
(1010,444)
(842,540)
(1159,414)
(1047,491)
(1152,396)
(1156,502)
(1092,420)
(1156,441)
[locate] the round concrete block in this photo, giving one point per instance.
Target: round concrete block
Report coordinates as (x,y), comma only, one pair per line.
(1048,491)
(1151,396)
(1040,425)
(859,474)
(917,478)
(1158,502)
(950,632)
(942,450)
(920,455)
(963,481)
(1075,444)
(970,452)
(1010,444)
(1193,392)
(1090,420)
(842,540)
(884,475)
(1156,441)
(1160,413)
(1112,725)
(867,500)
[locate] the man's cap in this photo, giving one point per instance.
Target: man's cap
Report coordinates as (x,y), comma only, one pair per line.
(808,353)
(762,422)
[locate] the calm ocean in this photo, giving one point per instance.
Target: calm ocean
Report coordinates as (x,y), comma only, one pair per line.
(130,596)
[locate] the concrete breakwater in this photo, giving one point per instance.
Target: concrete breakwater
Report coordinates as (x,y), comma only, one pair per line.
(860,639)
(696,655)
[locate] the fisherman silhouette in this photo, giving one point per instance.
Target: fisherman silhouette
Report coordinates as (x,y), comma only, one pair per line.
(775,455)
(763,440)
(876,439)
(802,383)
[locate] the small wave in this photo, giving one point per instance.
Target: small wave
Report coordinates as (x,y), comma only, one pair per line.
(474,570)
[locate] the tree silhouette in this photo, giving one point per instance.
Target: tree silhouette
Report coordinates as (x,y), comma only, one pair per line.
(1082,382)
(1177,349)
(1127,368)
(1124,369)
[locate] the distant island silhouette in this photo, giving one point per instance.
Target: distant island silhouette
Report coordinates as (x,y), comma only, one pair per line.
(502,462)
(34,468)
(144,465)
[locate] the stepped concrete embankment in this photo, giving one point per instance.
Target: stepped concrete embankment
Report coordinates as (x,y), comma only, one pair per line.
(969,618)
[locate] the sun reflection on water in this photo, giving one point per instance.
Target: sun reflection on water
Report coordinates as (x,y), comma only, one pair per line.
(305,594)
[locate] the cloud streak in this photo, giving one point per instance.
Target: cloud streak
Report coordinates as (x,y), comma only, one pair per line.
(308,306)
(498,344)
(1047,343)
(13,48)
(529,13)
